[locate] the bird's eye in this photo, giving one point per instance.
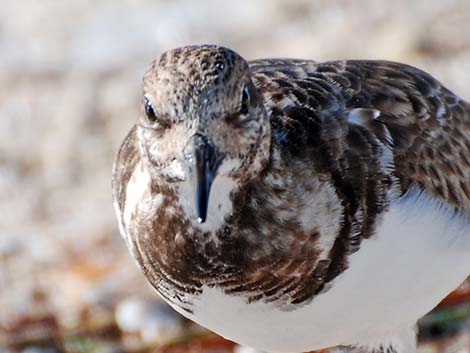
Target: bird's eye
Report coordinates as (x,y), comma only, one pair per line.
(149,111)
(245,101)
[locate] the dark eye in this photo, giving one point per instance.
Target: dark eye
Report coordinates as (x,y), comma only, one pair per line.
(245,101)
(149,111)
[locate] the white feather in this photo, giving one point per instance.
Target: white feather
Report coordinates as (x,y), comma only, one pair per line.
(421,253)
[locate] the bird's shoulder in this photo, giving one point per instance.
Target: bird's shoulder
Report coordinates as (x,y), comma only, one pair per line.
(355,103)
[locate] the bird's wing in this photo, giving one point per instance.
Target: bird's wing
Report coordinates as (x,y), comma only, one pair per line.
(428,127)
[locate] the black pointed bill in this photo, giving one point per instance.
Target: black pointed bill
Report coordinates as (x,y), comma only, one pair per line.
(204,164)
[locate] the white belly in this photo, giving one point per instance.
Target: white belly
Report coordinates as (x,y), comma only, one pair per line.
(421,253)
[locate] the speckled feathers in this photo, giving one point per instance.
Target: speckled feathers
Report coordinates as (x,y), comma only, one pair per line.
(181,81)
(314,154)
(428,124)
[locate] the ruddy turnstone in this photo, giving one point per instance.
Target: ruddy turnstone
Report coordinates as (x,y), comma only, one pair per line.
(290,205)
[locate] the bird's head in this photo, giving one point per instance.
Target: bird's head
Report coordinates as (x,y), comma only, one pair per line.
(202,119)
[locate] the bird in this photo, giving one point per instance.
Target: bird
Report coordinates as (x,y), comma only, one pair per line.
(291,205)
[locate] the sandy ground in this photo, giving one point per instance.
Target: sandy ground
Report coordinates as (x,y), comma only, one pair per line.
(70,76)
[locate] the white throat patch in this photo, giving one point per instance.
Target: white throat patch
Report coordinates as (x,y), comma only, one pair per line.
(220,205)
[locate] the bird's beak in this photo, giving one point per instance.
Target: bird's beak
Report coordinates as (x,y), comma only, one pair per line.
(204,161)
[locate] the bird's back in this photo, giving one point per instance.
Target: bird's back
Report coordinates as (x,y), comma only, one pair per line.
(425,125)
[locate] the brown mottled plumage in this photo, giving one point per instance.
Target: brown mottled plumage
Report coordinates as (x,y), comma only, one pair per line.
(430,126)
(305,159)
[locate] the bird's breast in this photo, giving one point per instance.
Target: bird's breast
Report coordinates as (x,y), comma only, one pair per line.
(419,254)
(274,246)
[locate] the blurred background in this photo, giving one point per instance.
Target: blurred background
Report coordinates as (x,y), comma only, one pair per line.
(70,75)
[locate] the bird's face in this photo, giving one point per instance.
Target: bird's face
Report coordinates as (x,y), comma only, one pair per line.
(202,118)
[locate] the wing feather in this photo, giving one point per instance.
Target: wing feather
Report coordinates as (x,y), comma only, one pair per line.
(428,124)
